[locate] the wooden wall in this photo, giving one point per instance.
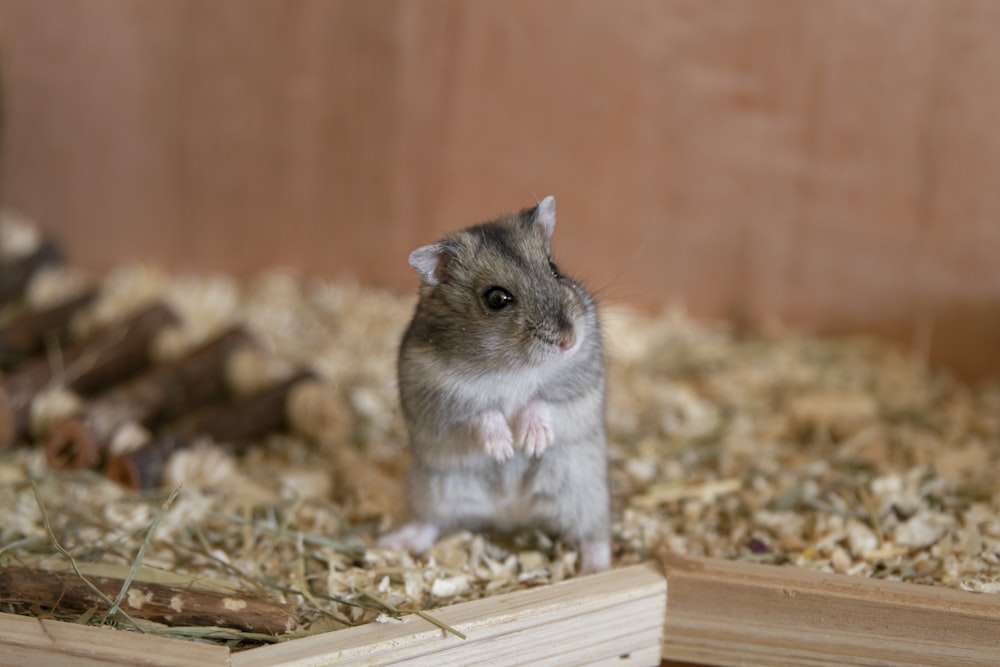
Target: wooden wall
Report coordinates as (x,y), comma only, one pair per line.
(833,163)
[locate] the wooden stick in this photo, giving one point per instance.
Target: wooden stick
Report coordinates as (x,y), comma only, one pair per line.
(250,417)
(34,588)
(30,332)
(161,395)
(614,617)
(117,351)
(233,424)
(732,613)
(17,273)
(36,642)
(99,360)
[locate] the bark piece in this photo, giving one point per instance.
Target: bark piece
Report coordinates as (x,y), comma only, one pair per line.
(106,356)
(36,588)
(29,333)
(161,395)
(17,273)
(236,423)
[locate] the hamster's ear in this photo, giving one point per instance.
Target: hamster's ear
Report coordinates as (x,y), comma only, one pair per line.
(433,261)
(544,214)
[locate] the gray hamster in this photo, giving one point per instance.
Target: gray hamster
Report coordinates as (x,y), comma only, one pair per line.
(501,381)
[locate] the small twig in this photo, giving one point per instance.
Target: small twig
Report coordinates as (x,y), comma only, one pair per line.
(302,589)
(212,632)
(207,553)
(142,553)
(72,561)
(422,614)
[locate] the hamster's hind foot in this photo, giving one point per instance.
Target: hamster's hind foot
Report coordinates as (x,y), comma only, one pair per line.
(414,537)
(595,555)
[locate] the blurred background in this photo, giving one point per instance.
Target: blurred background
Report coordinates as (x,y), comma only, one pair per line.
(832,165)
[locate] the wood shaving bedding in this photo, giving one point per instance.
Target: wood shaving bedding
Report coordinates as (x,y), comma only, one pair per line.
(844,455)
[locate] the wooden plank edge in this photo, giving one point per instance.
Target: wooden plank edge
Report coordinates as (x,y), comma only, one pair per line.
(27,641)
(614,617)
(725,613)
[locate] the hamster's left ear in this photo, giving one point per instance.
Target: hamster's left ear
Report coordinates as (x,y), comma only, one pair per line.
(544,214)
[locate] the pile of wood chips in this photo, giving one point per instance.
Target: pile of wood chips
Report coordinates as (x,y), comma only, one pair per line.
(842,455)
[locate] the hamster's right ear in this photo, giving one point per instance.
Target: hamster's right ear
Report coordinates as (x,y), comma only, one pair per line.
(544,214)
(433,262)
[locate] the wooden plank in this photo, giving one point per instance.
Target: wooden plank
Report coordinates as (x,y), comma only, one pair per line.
(613,618)
(26,641)
(732,613)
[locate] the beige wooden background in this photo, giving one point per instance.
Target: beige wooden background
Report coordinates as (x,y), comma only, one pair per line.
(833,163)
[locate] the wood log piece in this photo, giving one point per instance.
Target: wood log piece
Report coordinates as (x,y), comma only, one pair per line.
(35,588)
(161,395)
(29,333)
(118,351)
(16,273)
(234,424)
(106,356)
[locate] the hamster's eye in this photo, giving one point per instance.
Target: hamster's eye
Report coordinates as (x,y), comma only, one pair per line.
(497,298)
(554,269)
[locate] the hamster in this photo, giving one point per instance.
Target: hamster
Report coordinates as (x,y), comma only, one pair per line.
(501,381)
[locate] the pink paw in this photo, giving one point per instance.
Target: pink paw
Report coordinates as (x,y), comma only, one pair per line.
(595,556)
(413,537)
(494,435)
(534,428)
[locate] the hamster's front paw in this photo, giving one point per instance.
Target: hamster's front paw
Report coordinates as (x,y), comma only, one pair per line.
(534,428)
(494,435)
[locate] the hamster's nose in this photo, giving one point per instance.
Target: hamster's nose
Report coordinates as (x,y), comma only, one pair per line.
(567,339)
